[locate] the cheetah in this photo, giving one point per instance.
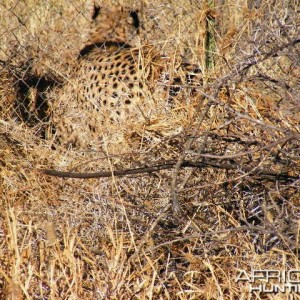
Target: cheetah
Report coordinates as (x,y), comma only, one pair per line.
(112,84)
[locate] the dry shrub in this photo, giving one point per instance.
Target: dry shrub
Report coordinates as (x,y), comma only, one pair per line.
(118,237)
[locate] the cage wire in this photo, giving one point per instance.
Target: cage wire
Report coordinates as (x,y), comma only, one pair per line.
(239,112)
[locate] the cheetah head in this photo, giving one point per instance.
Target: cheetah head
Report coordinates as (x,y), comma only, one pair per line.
(117,25)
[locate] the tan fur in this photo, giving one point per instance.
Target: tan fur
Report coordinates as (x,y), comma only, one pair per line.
(112,82)
(114,24)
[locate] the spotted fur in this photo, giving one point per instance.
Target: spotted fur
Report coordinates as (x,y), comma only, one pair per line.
(112,82)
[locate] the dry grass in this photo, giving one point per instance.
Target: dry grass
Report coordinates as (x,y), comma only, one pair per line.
(117,237)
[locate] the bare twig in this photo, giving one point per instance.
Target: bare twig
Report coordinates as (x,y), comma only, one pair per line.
(170,165)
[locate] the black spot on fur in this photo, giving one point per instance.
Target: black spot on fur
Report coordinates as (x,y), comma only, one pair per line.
(128,57)
(127,102)
(114,95)
(115,85)
(92,128)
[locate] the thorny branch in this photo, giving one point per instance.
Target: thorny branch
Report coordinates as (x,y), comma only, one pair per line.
(238,74)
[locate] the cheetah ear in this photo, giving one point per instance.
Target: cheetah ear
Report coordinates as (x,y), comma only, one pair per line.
(134,15)
(95,10)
